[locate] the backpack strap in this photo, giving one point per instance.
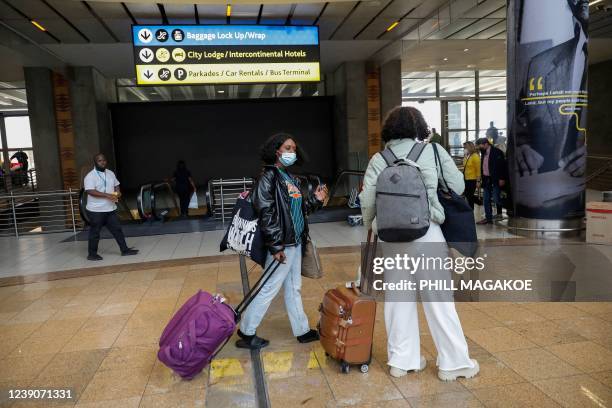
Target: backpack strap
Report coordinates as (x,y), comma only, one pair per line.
(416,151)
(389,156)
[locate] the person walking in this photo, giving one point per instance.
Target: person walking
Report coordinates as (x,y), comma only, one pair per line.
(471,171)
(282,207)
(102,188)
(494,174)
(402,126)
(184,186)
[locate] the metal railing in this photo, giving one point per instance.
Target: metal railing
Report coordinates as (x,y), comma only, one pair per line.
(19,182)
(223,193)
(39,212)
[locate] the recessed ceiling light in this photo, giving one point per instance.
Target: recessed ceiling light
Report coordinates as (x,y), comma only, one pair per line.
(445,59)
(220,91)
(466,49)
(392,26)
(37,25)
(153,93)
(228,10)
(471,66)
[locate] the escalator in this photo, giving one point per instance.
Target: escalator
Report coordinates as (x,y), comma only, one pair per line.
(123,209)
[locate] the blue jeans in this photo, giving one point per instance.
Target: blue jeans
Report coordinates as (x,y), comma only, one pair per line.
(288,275)
(491,190)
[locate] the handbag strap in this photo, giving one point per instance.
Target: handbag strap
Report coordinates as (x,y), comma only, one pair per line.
(438,161)
(389,157)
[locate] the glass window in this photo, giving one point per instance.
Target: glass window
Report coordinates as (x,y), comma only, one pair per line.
(418,87)
(431,112)
(492,86)
(455,142)
(492,111)
(457,115)
(457,86)
(18,132)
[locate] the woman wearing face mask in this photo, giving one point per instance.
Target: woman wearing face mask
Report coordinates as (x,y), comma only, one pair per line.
(471,171)
(282,208)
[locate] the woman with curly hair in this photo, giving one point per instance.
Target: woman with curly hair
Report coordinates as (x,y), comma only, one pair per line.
(282,207)
(402,127)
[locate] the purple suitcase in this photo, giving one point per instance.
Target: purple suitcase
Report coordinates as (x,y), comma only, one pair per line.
(200,329)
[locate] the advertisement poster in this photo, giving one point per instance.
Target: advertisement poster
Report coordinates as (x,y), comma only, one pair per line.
(548,83)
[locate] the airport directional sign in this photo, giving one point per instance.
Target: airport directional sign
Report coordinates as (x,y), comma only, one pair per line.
(225,54)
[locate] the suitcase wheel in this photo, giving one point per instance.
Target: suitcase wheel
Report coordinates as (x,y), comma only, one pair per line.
(345,367)
(364,368)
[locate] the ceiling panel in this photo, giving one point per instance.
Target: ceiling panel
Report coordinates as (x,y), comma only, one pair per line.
(306,13)
(33,8)
(212,13)
(332,17)
(491,31)
(8,13)
(275,13)
(452,28)
(360,18)
(488,8)
(500,36)
(475,28)
(180,13)
(61,30)
(145,13)
(244,14)
(377,27)
(26,28)
(399,8)
(115,18)
(80,16)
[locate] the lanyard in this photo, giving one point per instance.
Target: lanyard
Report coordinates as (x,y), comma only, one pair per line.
(103,179)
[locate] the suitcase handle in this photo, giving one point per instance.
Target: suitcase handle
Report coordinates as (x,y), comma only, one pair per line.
(254,291)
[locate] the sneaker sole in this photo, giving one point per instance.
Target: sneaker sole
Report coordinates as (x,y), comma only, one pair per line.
(453,376)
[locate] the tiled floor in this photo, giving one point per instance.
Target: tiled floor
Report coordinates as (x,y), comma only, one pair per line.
(35,254)
(97,335)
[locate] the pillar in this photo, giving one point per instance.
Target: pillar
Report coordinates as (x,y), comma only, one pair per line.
(91,93)
(390,86)
(547,94)
(39,91)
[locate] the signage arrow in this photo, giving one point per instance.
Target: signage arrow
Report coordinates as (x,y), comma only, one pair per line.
(145,35)
(147,74)
(146,54)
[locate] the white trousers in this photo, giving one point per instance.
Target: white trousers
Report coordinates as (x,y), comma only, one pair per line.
(288,275)
(402,324)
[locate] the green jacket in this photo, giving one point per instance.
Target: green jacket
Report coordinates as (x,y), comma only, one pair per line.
(431,175)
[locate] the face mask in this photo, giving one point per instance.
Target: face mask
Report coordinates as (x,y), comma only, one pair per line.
(287,159)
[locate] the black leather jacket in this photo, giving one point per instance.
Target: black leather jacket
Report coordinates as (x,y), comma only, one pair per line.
(272,204)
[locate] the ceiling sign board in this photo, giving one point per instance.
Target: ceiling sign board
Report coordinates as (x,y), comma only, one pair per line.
(218,54)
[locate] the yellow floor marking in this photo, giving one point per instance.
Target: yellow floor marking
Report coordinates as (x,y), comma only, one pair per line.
(278,361)
(226,367)
(313,362)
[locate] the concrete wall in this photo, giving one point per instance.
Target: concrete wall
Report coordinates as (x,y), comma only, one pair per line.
(390,86)
(599,136)
(39,90)
(348,86)
(90,93)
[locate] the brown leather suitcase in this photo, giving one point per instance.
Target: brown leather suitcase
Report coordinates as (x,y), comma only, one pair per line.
(346,326)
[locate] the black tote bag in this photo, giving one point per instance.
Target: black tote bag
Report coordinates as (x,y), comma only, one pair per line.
(244,234)
(459,226)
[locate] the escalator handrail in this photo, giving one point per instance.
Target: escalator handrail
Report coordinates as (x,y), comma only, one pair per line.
(140,203)
(341,174)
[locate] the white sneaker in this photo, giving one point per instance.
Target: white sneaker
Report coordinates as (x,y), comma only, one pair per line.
(452,375)
(398,372)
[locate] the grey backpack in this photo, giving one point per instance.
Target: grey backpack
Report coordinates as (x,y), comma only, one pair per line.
(402,207)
